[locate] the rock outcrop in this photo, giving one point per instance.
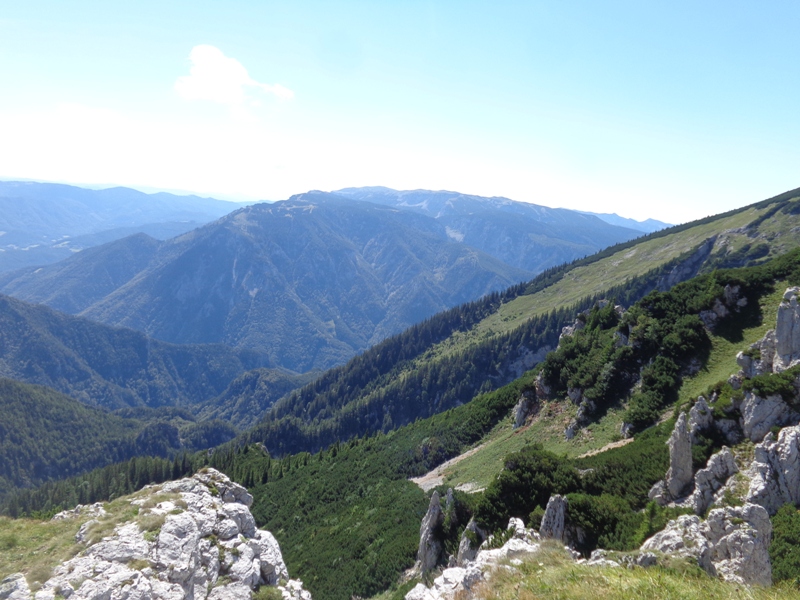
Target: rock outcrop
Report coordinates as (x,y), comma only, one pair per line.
(680,473)
(527,406)
(469,544)
(710,480)
(733,543)
(192,539)
(775,471)
(779,349)
(460,581)
(430,548)
(759,415)
(552,526)
(14,587)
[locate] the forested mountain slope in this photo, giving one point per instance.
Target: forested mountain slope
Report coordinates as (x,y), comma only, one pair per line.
(109,366)
(348,518)
(527,236)
(445,361)
(45,435)
(310,281)
(42,223)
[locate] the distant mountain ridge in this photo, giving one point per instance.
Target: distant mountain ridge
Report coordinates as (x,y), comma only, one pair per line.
(42,223)
(310,281)
(527,236)
(646,226)
(108,366)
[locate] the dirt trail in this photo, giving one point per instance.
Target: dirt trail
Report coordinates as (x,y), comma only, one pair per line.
(610,446)
(436,477)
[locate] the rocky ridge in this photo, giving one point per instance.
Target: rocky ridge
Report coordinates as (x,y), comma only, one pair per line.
(192,539)
(731,542)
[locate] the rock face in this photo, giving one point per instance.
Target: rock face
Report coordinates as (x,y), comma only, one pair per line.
(527,406)
(708,481)
(775,472)
(206,547)
(759,415)
(467,549)
(679,475)
(779,349)
(553,520)
(460,581)
(430,548)
(732,543)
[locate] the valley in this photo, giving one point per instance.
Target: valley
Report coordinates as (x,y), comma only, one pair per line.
(568,383)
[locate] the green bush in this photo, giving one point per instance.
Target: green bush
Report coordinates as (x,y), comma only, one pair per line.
(784,551)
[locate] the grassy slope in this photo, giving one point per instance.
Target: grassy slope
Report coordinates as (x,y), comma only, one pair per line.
(548,428)
(552,575)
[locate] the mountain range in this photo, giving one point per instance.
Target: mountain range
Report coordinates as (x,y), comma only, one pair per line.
(41,223)
(313,280)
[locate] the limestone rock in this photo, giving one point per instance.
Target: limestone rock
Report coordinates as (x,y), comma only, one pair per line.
(787,331)
(700,419)
(552,526)
(467,550)
(680,473)
(759,415)
(527,406)
(732,543)
(740,538)
(82,510)
(183,561)
(430,548)
(708,481)
(569,330)
(683,536)
(775,472)
(14,587)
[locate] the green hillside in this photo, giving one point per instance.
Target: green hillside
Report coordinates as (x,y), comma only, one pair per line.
(448,359)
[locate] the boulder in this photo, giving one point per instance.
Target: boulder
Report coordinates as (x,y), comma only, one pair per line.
(467,549)
(685,537)
(552,526)
(740,538)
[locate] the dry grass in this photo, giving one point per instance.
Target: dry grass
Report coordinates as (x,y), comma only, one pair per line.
(552,575)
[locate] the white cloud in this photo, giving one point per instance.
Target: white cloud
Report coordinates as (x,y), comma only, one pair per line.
(224,80)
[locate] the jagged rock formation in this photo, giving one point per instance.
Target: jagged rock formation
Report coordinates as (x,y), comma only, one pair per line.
(708,481)
(759,415)
(193,539)
(775,472)
(552,526)
(779,349)
(527,406)
(469,544)
(430,548)
(460,581)
(733,543)
(680,473)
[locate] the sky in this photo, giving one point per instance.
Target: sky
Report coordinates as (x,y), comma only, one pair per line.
(673,110)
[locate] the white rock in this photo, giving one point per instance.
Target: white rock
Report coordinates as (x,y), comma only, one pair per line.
(759,415)
(708,481)
(552,526)
(680,472)
(14,587)
(775,472)
(430,549)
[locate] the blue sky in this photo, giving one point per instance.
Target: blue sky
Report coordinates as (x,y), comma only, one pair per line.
(667,110)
